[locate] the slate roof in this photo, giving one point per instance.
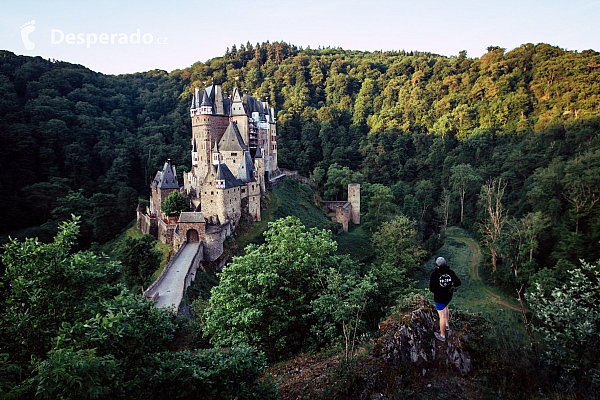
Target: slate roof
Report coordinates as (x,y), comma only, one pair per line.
(165,179)
(191,217)
(223,173)
(246,171)
(206,100)
(232,139)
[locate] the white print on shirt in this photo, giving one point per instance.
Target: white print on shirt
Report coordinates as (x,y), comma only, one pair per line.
(445,280)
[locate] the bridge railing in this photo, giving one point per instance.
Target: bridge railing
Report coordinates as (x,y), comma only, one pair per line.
(151,293)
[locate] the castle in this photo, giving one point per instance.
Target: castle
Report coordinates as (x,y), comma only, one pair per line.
(234,156)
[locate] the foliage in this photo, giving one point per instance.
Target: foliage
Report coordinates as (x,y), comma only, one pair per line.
(289,293)
(236,373)
(569,321)
(342,302)
(139,260)
(174,204)
(75,131)
(380,207)
(398,256)
(70,330)
(263,297)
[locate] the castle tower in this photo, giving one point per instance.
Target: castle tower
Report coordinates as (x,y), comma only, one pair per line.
(354,199)
(201,115)
(239,116)
(164,183)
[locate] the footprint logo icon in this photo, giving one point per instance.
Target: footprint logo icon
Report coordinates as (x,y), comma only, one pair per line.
(26,29)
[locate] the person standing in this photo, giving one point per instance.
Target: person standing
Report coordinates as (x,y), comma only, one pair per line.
(443,283)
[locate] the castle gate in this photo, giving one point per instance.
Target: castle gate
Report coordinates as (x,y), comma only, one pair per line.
(192,236)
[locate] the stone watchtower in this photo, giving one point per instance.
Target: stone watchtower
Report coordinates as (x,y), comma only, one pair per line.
(354,199)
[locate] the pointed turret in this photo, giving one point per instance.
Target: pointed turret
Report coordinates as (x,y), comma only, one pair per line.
(206,108)
(237,105)
(246,171)
(167,178)
(216,155)
(194,107)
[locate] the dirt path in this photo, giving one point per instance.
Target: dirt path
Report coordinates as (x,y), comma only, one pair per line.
(475,260)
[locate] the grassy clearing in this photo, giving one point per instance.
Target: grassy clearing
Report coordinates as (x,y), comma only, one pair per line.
(289,198)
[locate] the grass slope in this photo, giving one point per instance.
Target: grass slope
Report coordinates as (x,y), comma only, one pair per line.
(110,247)
(294,198)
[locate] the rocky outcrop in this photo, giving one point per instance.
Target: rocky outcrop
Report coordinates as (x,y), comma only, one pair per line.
(409,338)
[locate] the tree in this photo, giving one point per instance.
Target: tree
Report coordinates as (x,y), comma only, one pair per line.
(443,210)
(582,184)
(569,324)
(47,286)
(398,254)
(495,218)
(139,260)
(264,297)
(343,301)
(69,330)
(174,204)
(380,204)
(522,239)
(463,176)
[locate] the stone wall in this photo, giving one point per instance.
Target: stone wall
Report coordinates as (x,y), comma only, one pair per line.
(215,237)
(342,215)
(146,224)
(165,232)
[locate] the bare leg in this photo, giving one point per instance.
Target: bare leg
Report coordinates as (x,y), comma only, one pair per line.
(447,311)
(443,321)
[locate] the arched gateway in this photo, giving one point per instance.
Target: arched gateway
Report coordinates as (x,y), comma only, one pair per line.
(192,236)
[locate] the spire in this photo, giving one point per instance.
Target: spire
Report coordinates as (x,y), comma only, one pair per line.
(237,106)
(216,156)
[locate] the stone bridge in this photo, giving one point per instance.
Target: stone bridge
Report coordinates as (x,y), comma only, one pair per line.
(178,274)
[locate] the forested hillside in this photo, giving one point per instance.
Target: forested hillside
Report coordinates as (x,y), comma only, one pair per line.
(80,142)
(417,123)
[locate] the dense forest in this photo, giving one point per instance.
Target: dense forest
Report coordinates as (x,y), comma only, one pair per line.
(505,146)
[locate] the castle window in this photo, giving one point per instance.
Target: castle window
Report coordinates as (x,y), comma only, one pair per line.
(233,154)
(243,190)
(212,193)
